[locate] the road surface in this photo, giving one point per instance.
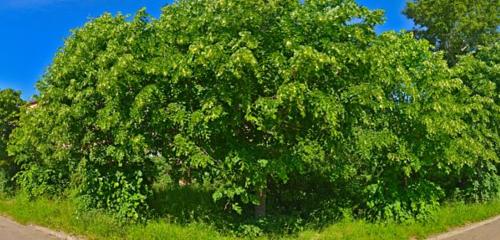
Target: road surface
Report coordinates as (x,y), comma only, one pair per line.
(10,230)
(486,230)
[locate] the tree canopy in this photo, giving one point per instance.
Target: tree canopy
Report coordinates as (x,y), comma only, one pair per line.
(456,27)
(274,102)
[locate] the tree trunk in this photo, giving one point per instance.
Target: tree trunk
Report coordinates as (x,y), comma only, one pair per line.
(260,210)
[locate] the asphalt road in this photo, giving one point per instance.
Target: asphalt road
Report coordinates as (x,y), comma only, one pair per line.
(10,230)
(488,230)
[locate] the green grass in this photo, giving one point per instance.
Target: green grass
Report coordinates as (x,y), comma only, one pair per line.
(446,218)
(62,215)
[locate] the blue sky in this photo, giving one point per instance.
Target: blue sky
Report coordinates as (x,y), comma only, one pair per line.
(31,31)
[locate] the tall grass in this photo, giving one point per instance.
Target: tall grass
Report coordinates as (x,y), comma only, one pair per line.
(63,215)
(447,217)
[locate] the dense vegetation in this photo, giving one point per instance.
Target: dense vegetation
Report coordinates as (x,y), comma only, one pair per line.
(457,27)
(10,103)
(274,108)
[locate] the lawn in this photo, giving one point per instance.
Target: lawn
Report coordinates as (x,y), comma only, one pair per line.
(62,215)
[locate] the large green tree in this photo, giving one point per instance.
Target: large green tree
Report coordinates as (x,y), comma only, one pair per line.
(456,27)
(262,102)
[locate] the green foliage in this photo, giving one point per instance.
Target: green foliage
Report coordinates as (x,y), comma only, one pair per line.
(81,132)
(4,182)
(10,104)
(456,27)
(461,28)
(243,98)
(480,73)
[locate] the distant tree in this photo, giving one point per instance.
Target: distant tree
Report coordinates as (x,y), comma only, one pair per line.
(456,27)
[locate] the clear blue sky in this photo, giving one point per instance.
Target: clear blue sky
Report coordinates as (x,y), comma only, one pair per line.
(31,31)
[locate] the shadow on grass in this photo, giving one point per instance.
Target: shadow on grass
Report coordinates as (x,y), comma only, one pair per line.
(194,204)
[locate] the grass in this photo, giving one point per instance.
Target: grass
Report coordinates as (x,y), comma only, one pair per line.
(62,215)
(446,218)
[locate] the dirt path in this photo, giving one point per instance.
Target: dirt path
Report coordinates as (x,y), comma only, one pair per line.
(486,230)
(10,230)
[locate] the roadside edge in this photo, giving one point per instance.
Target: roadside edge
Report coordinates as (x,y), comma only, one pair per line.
(464,229)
